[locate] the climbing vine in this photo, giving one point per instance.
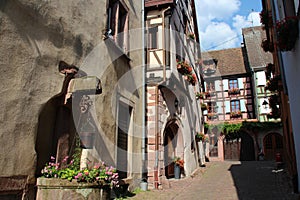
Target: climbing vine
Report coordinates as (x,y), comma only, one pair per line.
(232,130)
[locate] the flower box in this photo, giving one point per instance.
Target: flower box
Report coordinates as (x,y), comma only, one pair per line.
(237,114)
(287,33)
(234,91)
(212,116)
(59,189)
(191,78)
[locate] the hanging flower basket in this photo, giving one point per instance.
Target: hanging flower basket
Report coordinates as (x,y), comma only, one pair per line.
(287,33)
(267,46)
(203,106)
(191,78)
(273,84)
(266,18)
(183,67)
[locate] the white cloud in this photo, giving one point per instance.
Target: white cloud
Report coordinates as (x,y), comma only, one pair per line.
(209,10)
(239,22)
(220,26)
(218,35)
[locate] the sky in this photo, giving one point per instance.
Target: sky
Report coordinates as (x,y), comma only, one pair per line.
(220,22)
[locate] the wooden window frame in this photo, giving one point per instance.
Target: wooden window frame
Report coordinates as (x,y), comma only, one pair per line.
(118,23)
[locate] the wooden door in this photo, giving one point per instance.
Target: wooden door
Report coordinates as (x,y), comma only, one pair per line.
(272,144)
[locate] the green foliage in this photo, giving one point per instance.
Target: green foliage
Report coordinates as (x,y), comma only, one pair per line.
(233,129)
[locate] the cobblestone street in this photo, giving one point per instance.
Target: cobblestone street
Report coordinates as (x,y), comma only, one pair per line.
(229,180)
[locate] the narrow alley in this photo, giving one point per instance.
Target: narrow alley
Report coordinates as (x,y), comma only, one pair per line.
(229,180)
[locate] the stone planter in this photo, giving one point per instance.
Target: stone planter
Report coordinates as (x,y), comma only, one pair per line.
(58,189)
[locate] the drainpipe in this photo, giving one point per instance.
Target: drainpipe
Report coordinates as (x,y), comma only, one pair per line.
(157,101)
(163,41)
(143,94)
(156,140)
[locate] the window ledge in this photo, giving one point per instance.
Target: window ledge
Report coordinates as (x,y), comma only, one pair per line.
(112,44)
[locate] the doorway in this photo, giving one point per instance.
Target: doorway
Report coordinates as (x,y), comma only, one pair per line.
(273,144)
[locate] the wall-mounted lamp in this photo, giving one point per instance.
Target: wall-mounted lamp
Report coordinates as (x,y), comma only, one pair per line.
(265,104)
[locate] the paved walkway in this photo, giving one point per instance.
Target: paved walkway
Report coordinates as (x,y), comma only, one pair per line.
(229,180)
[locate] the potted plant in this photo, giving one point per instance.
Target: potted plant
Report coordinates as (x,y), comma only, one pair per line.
(178,166)
(287,33)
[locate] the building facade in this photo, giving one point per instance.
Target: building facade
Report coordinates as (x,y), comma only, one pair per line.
(281,22)
(173,113)
(234,85)
(64,72)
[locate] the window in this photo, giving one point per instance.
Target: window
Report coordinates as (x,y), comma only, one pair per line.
(212,107)
(210,86)
(124,117)
(235,105)
(233,83)
(117,22)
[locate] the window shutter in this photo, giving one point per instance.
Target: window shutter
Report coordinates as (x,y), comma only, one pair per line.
(220,107)
(241,83)
(227,106)
(225,84)
(218,85)
(261,78)
(243,105)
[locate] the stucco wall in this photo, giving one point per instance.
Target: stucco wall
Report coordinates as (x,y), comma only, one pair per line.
(34,37)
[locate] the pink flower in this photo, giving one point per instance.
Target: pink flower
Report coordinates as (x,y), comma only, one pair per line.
(86,173)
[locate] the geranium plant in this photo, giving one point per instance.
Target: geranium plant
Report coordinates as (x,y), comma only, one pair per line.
(287,33)
(178,161)
(99,173)
(236,114)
